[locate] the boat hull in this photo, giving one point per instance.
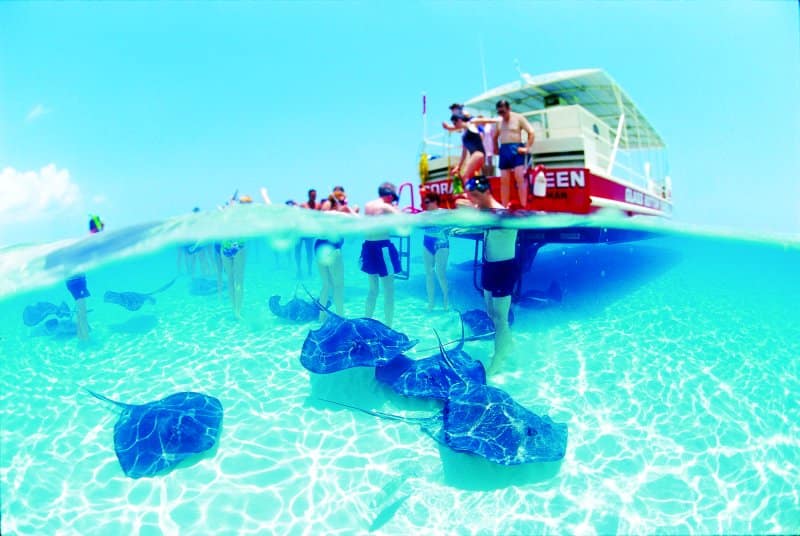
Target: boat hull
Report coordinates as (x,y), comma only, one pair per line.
(573,191)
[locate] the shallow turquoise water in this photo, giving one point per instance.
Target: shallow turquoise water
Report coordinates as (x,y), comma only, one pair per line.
(673,360)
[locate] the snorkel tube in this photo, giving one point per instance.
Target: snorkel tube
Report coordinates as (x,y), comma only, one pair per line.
(95,224)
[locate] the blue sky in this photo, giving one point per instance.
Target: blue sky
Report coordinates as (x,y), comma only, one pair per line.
(139,111)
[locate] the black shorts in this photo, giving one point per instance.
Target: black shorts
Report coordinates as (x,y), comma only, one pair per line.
(77,287)
(379,257)
(500,277)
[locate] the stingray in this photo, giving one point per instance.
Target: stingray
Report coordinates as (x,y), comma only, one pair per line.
(133,301)
(34,314)
(431,377)
(485,421)
(154,438)
(537,298)
(59,327)
(480,323)
(342,343)
(296,310)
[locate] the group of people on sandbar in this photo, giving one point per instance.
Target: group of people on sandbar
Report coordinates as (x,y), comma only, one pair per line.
(482,138)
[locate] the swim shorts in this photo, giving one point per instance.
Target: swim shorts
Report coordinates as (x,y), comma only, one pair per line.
(434,243)
(378,257)
(321,242)
(77,287)
(500,277)
(509,157)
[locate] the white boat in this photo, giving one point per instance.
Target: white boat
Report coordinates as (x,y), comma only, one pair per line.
(595,147)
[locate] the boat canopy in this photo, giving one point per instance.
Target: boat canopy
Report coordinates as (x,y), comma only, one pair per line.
(592,89)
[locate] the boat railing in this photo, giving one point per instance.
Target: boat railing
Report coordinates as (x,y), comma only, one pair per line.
(637,167)
(443,143)
(411,208)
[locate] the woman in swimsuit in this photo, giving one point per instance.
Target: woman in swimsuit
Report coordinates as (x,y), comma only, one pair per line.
(434,254)
(329,255)
(472,154)
(233,255)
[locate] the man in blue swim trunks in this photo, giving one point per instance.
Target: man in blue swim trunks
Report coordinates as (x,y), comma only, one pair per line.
(379,257)
(512,152)
(499,271)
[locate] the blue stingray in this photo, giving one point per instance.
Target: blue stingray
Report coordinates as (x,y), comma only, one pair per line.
(59,326)
(295,309)
(342,343)
(431,377)
(34,314)
(133,301)
(480,323)
(155,437)
(486,421)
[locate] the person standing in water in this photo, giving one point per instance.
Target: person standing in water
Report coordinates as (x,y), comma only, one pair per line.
(233,256)
(379,257)
(435,251)
(80,291)
(329,254)
(499,271)
(191,254)
(306,242)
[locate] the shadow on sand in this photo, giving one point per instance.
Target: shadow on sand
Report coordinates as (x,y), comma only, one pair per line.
(137,325)
(358,387)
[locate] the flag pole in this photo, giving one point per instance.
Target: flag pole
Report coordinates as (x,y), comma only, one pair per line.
(424,117)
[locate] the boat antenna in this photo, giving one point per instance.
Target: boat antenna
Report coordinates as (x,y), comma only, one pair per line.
(516,64)
(483,63)
(424,117)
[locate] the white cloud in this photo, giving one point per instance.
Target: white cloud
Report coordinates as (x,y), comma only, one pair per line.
(27,196)
(38,111)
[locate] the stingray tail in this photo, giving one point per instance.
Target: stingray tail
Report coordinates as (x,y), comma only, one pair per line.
(461,343)
(416,420)
(447,360)
(276,307)
(106,399)
(319,304)
(165,287)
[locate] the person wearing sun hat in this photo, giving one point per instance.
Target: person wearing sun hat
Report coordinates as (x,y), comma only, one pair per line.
(380,259)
